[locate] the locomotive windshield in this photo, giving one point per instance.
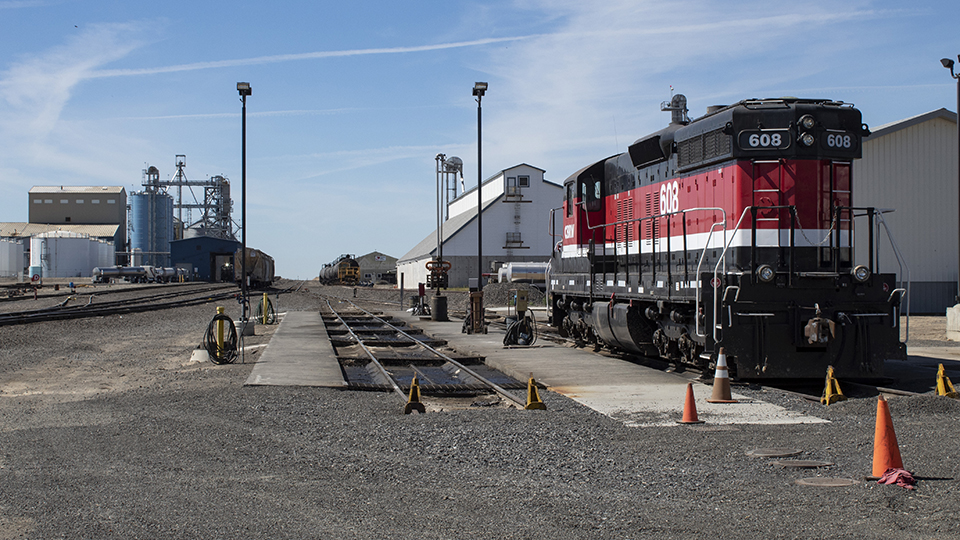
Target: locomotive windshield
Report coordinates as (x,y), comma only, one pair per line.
(591,194)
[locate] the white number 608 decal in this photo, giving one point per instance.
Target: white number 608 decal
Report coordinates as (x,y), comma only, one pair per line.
(669,197)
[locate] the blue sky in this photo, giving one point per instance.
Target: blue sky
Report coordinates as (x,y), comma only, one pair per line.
(352,100)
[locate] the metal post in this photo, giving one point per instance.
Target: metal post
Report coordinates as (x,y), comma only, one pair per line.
(244,89)
(479,89)
(439,159)
(479,196)
(243,210)
(220,332)
(948,63)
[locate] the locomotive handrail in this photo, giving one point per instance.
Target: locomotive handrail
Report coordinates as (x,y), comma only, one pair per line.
(722,211)
(699,264)
(877,213)
(720,261)
(902,262)
(703,252)
(873,212)
(552,225)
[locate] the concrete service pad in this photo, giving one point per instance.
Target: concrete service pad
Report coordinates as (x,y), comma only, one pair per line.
(633,394)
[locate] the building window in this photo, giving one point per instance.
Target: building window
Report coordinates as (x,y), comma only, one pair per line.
(67,219)
(523,181)
(48,201)
(111,201)
(38,201)
(95,201)
(64,201)
(79,201)
(513,238)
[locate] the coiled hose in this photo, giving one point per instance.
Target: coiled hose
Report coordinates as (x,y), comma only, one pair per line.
(226,354)
(271,314)
(522,332)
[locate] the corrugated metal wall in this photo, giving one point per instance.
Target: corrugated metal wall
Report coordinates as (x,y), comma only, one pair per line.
(914,170)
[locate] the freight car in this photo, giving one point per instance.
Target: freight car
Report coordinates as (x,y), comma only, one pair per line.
(737,230)
(137,274)
(345,270)
(259,267)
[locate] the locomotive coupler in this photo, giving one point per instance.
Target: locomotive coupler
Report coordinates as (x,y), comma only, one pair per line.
(819,330)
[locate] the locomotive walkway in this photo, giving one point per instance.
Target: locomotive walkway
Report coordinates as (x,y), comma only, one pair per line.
(299,354)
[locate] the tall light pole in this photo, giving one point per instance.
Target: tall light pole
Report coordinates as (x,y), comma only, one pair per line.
(479,89)
(440,187)
(245,90)
(948,63)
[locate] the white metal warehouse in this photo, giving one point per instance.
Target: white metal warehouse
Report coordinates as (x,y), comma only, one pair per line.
(911,166)
(516,207)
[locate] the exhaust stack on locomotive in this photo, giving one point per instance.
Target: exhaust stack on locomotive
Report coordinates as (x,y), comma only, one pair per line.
(735,229)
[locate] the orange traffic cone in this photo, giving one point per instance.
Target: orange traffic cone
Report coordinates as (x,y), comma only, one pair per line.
(690,408)
(886,453)
(721,382)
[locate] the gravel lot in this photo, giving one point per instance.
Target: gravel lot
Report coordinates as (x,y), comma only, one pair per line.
(107,430)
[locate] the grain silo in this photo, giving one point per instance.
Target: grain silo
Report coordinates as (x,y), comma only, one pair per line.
(151,221)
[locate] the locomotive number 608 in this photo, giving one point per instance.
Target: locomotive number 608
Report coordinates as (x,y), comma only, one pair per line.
(669,197)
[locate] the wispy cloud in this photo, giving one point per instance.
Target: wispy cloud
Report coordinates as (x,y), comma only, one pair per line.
(34,90)
(19,4)
(326,164)
(284,112)
(275,59)
(618,59)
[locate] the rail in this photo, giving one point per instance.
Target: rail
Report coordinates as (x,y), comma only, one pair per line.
(165,300)
(486,382)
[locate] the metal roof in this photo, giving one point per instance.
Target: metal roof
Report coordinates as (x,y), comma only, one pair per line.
(452,226)
(27,230)
(887,129)
(76,189)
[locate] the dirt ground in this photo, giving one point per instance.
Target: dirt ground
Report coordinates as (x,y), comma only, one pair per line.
(926,328)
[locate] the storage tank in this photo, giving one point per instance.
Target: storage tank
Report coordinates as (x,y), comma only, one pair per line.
(523,272)
(11,258)
(62,254)
(151,226)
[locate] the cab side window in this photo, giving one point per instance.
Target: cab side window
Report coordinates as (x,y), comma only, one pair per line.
(592,194)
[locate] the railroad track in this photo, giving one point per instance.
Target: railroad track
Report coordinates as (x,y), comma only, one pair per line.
(81,305)
(379,353)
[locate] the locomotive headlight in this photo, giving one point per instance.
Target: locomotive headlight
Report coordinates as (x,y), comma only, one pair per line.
(807,121)
(766,273)
(807,139)
(861,273)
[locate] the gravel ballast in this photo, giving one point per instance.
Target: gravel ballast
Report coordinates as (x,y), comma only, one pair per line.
(107,430)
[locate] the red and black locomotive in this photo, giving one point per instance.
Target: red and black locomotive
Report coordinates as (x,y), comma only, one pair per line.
(733,230)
